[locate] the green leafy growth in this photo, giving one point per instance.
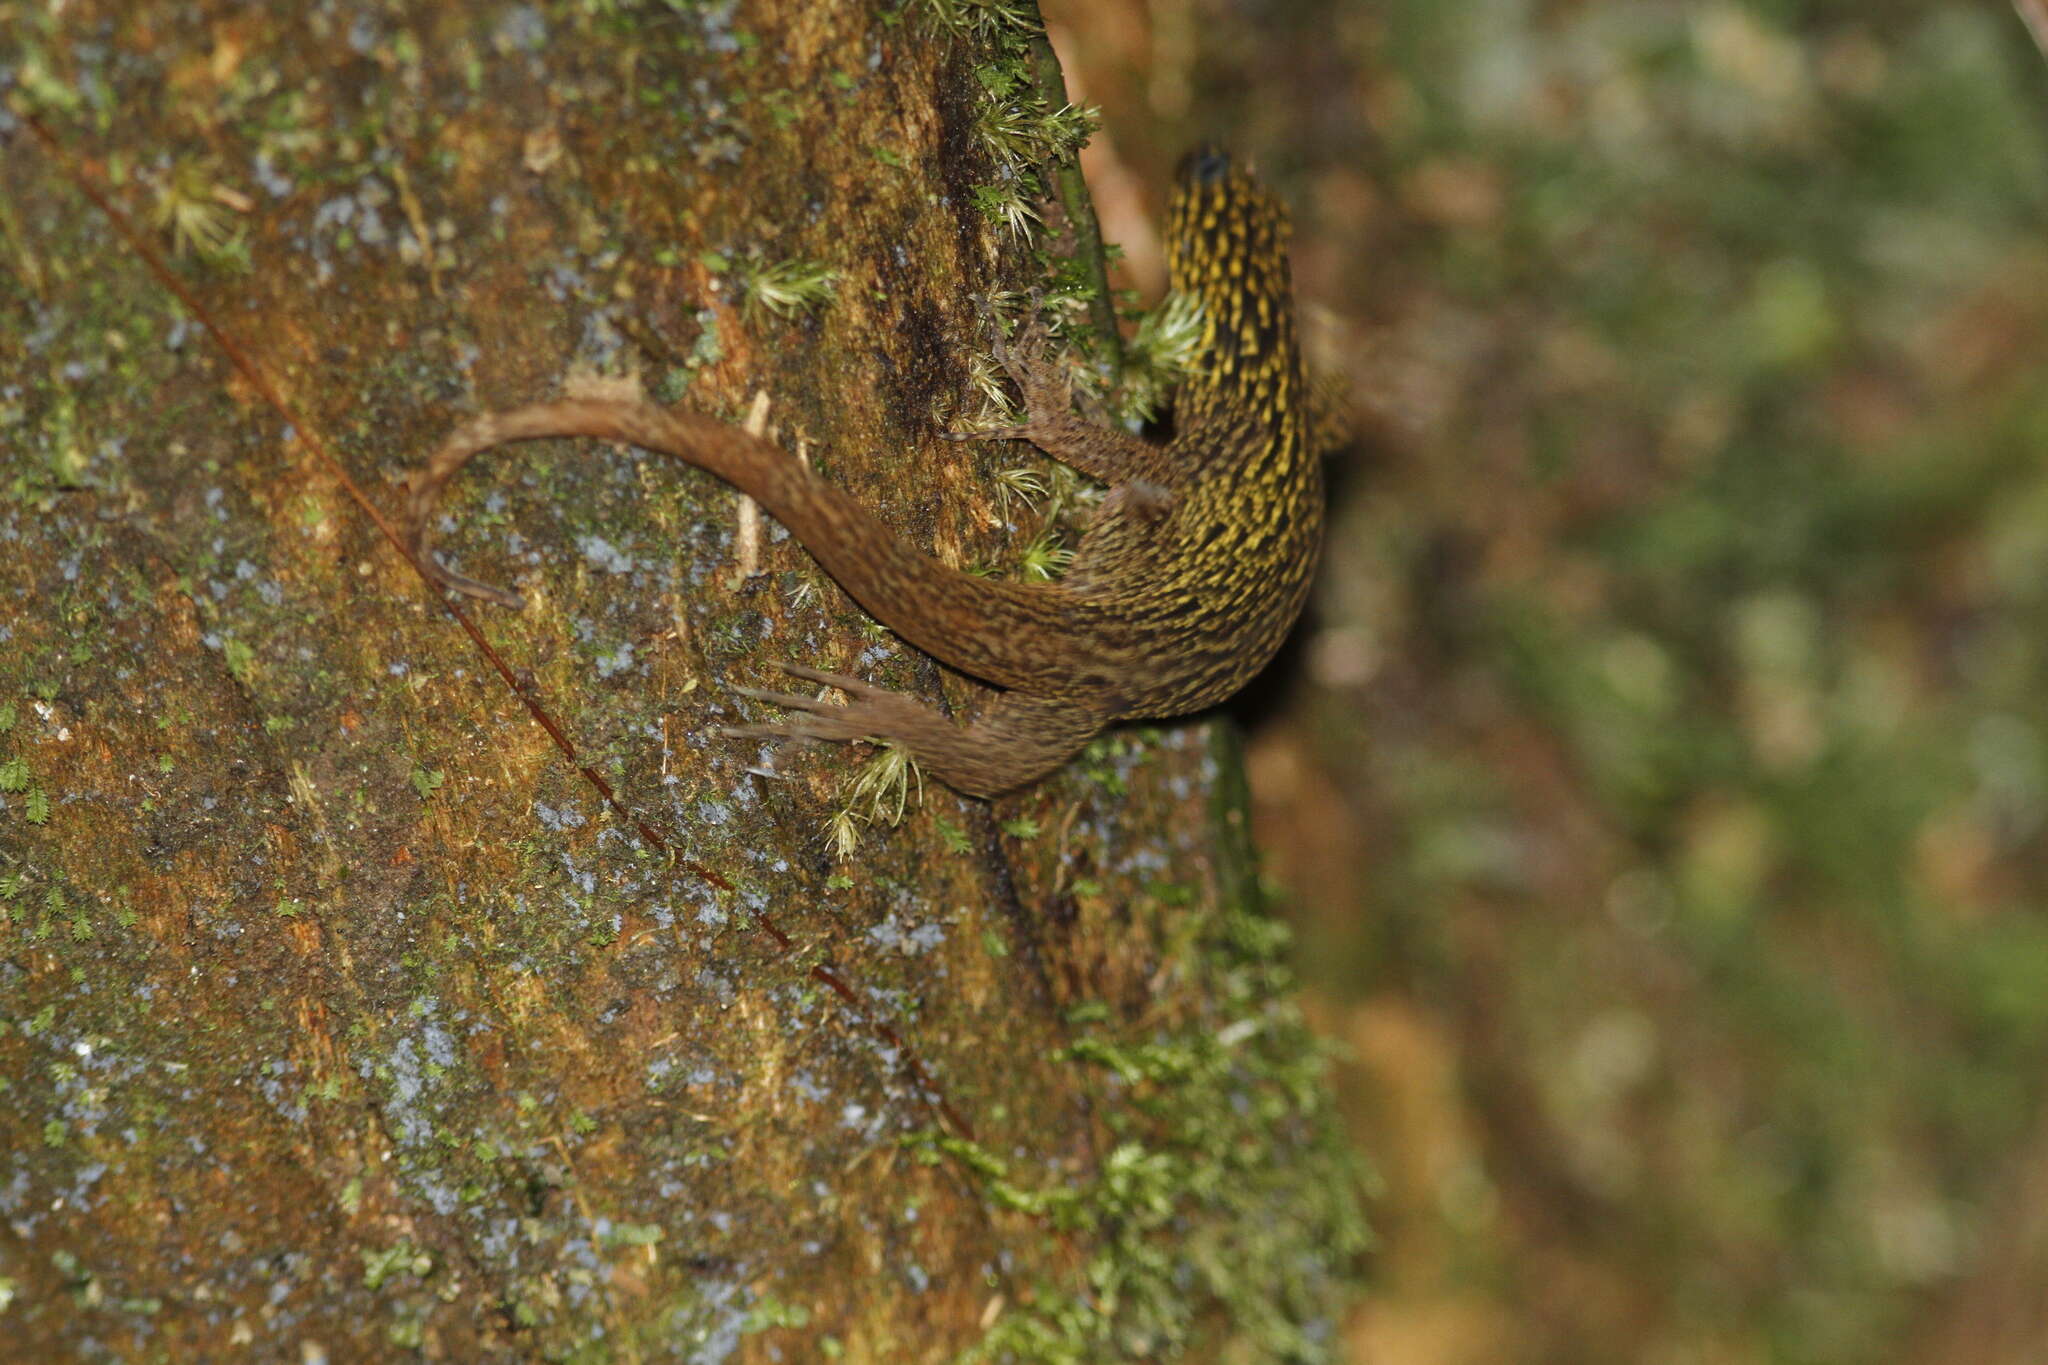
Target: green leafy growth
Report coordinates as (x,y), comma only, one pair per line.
(1020,131)
(1017,126)
(879,794)
(633,1234)
(983,19)
(1165,349)
(1044,560)
(786,288)
(1227,1202)
(1020,484)
(1010,205)
(197,210)
(769,1311)
(403,1258)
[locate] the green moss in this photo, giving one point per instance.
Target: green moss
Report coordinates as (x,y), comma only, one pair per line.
(1226,1207)
(401,1258)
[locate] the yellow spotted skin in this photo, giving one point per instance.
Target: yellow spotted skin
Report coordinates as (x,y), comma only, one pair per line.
(1250,525)
(1190,574)
(1227,241)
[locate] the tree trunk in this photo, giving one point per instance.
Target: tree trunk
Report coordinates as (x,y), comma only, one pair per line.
(339,1014)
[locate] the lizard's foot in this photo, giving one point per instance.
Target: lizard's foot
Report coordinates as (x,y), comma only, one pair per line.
(1016,740)
(1041,384)
(1023,356)
(1100,451)
(874,713)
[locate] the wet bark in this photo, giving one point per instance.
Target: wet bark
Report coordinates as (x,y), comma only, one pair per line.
(339,1017)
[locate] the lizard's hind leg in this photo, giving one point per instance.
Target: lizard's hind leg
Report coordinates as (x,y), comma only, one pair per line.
(1017,739)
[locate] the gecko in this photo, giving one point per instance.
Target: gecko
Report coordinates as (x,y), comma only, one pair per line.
(1190,572)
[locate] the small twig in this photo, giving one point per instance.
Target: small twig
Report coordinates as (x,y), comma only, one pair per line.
(747,538)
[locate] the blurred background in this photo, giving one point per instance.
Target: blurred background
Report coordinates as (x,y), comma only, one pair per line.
(1659,785)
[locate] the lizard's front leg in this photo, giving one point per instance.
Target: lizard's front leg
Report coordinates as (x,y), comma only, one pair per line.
(1050,423)
(1018,739)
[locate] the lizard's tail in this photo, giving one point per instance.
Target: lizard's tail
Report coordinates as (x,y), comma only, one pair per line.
(1011,634)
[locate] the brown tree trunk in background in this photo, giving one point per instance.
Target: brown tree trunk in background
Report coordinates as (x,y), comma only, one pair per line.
(338,1016)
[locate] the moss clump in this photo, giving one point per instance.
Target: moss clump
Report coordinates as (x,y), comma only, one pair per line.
(1225,1215)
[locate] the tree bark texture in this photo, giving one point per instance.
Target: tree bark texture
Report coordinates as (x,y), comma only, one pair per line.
(339,1018)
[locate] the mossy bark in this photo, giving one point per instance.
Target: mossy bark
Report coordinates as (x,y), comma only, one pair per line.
(338,1016)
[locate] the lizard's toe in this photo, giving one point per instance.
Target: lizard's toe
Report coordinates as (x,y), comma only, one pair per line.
(797,728)
(852,687)
(786,700)
(810,719)
(872,713)
(828,723)
(813,718)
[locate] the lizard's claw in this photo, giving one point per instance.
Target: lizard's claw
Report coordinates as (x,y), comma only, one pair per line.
(874,712)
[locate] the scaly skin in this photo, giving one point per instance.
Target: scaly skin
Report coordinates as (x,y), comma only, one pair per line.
(1191,572)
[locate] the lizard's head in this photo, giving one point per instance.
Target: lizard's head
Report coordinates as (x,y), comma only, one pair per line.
(1226,233)
(1226,243)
